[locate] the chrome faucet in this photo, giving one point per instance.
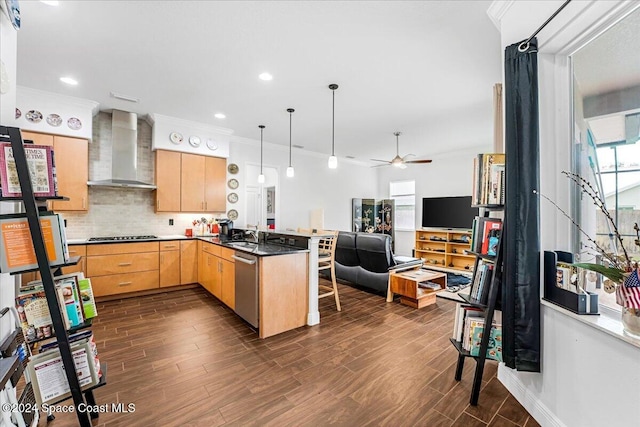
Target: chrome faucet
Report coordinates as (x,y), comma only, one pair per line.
(252,233)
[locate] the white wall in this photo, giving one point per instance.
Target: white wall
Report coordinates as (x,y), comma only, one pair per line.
(588,378)
(8,55)
(451,172)
(314,185)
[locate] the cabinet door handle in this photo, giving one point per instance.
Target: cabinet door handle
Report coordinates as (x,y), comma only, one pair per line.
(169,246)
(157,204)
(124,264)
(162,259)
(205,205)
(84,203)
(125,283)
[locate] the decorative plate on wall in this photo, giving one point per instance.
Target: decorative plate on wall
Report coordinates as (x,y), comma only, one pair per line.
(212,145)
(233,168)
(194,141)
(176,138)
(34,116)
(54,120)
(232,197)
(233,183)
(74,123)
(232,214)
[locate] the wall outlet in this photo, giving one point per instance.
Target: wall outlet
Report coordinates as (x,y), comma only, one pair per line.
(292,242)
(170,221)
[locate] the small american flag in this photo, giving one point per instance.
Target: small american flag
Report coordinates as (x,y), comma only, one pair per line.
(628,293)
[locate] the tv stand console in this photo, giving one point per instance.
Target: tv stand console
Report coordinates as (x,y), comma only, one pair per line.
(445,248)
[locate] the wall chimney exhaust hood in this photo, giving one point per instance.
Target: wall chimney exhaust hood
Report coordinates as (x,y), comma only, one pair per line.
(124,147)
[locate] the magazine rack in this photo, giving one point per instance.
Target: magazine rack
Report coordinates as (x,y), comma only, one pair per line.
(46,273)
(488,308)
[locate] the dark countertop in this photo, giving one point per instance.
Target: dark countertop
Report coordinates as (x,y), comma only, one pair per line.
(259,249)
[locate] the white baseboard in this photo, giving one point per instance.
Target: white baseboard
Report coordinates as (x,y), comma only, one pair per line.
(528,400)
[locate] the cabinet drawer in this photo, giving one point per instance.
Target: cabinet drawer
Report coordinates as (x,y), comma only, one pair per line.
(171,245)
(78,250)
(122,248)
(124,263)
(212,249)
(226,253)
(121,283)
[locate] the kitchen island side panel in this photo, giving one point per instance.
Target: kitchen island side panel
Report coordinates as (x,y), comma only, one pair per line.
(283,293)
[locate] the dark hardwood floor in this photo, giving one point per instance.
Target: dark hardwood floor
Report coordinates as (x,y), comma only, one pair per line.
(184,359)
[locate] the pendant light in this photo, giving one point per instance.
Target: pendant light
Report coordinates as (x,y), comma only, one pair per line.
(290,171)
(261,176)
(333,160)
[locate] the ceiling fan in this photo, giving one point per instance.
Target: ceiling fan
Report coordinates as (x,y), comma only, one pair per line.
(397,161)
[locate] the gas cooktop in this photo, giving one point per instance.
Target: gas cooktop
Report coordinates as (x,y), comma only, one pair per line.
(107,239)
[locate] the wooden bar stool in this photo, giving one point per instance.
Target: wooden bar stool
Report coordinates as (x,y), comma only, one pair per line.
(326,261)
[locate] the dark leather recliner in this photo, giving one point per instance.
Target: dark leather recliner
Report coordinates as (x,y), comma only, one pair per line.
(364,259)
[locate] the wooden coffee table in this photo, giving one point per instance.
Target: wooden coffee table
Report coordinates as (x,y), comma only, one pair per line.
(412,286)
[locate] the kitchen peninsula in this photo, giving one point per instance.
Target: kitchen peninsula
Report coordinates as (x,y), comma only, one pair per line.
(137,265)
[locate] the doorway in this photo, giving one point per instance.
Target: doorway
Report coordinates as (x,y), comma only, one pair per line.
(262,199)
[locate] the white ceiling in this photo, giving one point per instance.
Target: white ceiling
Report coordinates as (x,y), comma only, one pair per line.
(400,65)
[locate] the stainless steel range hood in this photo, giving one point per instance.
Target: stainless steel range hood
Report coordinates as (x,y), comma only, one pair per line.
(124,146)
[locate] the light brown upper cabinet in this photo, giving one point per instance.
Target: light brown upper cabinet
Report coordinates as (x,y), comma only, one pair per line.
(72,169)
(167,181)
(190,182)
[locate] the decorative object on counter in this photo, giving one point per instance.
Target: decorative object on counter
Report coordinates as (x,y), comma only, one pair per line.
(232,197)
(290,171)
(176,138)
(233,183)
(18,113)
(54,120)
(212,145)
(232,168)
(333,160)
(204,226)
(74,123)
(33,116)
(261,176)
(232,214)
(194,141)
(188,232)
(622,273)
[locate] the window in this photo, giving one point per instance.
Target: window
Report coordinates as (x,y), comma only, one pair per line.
(607,146)
(404,195)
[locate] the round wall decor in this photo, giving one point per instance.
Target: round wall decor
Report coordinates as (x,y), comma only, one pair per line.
(232,197)
(176,138)
(232,214)
(233,183)
(233,168)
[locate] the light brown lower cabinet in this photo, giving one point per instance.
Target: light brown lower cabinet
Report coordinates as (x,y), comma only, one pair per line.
(169,264)
(216,272)
(188,262)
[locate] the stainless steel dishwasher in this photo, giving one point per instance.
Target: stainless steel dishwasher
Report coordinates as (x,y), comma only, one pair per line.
(247,303)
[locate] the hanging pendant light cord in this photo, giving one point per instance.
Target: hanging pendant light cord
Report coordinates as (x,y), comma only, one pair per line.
(333,124)
(261,130)
(290,115)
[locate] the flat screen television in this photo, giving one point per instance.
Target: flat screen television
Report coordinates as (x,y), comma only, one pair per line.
(448,212)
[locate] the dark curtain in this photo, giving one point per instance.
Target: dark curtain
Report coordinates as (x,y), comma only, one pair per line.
(521,276)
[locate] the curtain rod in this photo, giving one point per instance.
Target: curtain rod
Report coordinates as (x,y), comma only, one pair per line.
(526,42)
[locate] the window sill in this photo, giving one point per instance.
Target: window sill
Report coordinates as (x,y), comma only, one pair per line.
(608,322)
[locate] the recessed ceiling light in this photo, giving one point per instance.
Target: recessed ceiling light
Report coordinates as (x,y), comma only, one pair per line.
(51,2)
(265,76)
(69,81)
(219,116)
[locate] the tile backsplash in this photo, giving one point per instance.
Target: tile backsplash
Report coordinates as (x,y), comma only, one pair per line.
(122,211)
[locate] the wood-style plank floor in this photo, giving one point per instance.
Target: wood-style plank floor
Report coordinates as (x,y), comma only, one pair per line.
(184,359)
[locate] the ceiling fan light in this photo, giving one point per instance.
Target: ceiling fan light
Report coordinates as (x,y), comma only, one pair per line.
(333,162)
(290,172)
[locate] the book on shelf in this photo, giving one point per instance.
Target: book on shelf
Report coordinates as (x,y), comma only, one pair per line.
(75,298)
(40,162)
(48,376)
(86,336)
(484,273)
(429,285)
(17,252)
(490,235)
(488,179)
(461,313)
(494,348)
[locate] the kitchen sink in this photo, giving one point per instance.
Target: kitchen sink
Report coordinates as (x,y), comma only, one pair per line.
(242,244)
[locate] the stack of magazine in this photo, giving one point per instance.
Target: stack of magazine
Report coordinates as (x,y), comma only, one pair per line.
(41,163)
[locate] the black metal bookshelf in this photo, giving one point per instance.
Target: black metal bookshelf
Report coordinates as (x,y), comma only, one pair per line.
(488,310)
(44,267)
